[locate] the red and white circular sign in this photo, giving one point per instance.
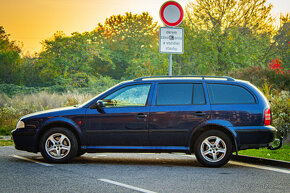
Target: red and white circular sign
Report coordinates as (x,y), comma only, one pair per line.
(171,13)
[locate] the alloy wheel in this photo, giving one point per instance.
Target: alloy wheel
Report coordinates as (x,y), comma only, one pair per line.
(213,149)
(57,146)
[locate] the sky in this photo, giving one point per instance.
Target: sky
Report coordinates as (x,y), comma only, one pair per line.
(32,21)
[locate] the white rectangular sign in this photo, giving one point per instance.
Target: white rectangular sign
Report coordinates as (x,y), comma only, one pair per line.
(171,40)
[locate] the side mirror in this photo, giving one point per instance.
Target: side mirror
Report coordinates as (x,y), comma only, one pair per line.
(100,105)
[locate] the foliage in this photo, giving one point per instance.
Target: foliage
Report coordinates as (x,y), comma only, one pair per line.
(68,58)
(225,14)
(9,56)
(258,76)
(12,89)
(220,36)
(100,84)
(280,106)
(29,71)
(128,38)
(81,84)
(225,35)
(280,47)
(6,142)
(116,48)
(149,64)
(276,65)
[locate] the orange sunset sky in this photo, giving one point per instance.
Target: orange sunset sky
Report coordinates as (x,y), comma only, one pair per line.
(31,21)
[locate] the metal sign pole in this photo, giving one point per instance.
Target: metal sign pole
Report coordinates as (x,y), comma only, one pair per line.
(171,38)
(170,64)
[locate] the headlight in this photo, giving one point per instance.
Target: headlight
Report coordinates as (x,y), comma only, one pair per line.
(20,124)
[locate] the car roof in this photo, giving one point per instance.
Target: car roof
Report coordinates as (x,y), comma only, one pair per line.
(194,77)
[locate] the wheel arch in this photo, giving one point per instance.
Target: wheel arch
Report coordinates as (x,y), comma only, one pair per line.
(204,128)
(58,123)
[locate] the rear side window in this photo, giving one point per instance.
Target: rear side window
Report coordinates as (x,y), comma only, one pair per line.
(180,94)
(229,94)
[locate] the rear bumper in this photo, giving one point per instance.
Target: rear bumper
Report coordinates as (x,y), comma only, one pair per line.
(24,139)
(254,136)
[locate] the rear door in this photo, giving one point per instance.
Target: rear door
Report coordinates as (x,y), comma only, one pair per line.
(177,109)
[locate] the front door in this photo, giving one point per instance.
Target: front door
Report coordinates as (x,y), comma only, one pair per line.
(123,121)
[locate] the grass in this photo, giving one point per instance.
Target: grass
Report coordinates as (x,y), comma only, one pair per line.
(6,142)
(281,154)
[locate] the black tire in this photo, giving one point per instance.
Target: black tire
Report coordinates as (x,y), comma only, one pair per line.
(213,148)
(58,145)
(80,153)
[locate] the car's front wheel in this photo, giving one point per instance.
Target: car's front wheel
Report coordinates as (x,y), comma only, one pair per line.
(213,148)
(58,145)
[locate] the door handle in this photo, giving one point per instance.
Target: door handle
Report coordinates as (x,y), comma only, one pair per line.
(199,113)
(141,116)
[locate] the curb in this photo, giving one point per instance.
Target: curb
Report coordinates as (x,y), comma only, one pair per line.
(257,160)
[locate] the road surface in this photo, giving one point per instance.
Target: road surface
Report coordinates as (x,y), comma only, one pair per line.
(124,172)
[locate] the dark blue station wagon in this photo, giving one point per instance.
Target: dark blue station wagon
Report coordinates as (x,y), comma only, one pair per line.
(211,117)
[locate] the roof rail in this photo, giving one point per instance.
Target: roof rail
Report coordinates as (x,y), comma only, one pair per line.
(187,76)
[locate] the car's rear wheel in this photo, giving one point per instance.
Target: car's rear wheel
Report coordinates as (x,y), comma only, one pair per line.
(58,145)
(213,148)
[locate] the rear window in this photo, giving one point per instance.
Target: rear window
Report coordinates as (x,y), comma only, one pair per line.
(180,94)
(229,94)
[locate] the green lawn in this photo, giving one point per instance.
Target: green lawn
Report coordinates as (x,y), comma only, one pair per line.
(6,142)
(281,154)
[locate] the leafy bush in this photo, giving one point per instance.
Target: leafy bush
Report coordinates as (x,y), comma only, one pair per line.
(79,83)
(12,89)
(280,106)
(258,76)
(99,84)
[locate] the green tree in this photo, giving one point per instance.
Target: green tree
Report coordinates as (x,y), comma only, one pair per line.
(127,38)
(221,35)
(9,57)
(69,58)
(220,15)
(280,48)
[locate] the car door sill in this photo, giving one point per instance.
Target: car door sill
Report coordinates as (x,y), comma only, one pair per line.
(177,148)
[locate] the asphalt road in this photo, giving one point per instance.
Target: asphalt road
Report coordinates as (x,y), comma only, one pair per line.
(119,172)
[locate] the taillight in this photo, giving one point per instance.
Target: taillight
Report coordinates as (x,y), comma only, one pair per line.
(267,117)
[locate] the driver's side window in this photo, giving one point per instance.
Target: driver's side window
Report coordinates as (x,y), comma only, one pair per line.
(134,95)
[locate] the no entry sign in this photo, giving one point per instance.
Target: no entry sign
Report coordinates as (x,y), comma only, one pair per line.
(171,13)
(171,40)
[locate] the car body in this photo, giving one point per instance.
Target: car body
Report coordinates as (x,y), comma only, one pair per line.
(205,115)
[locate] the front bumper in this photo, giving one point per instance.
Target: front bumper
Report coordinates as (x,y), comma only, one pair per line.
(24,139)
